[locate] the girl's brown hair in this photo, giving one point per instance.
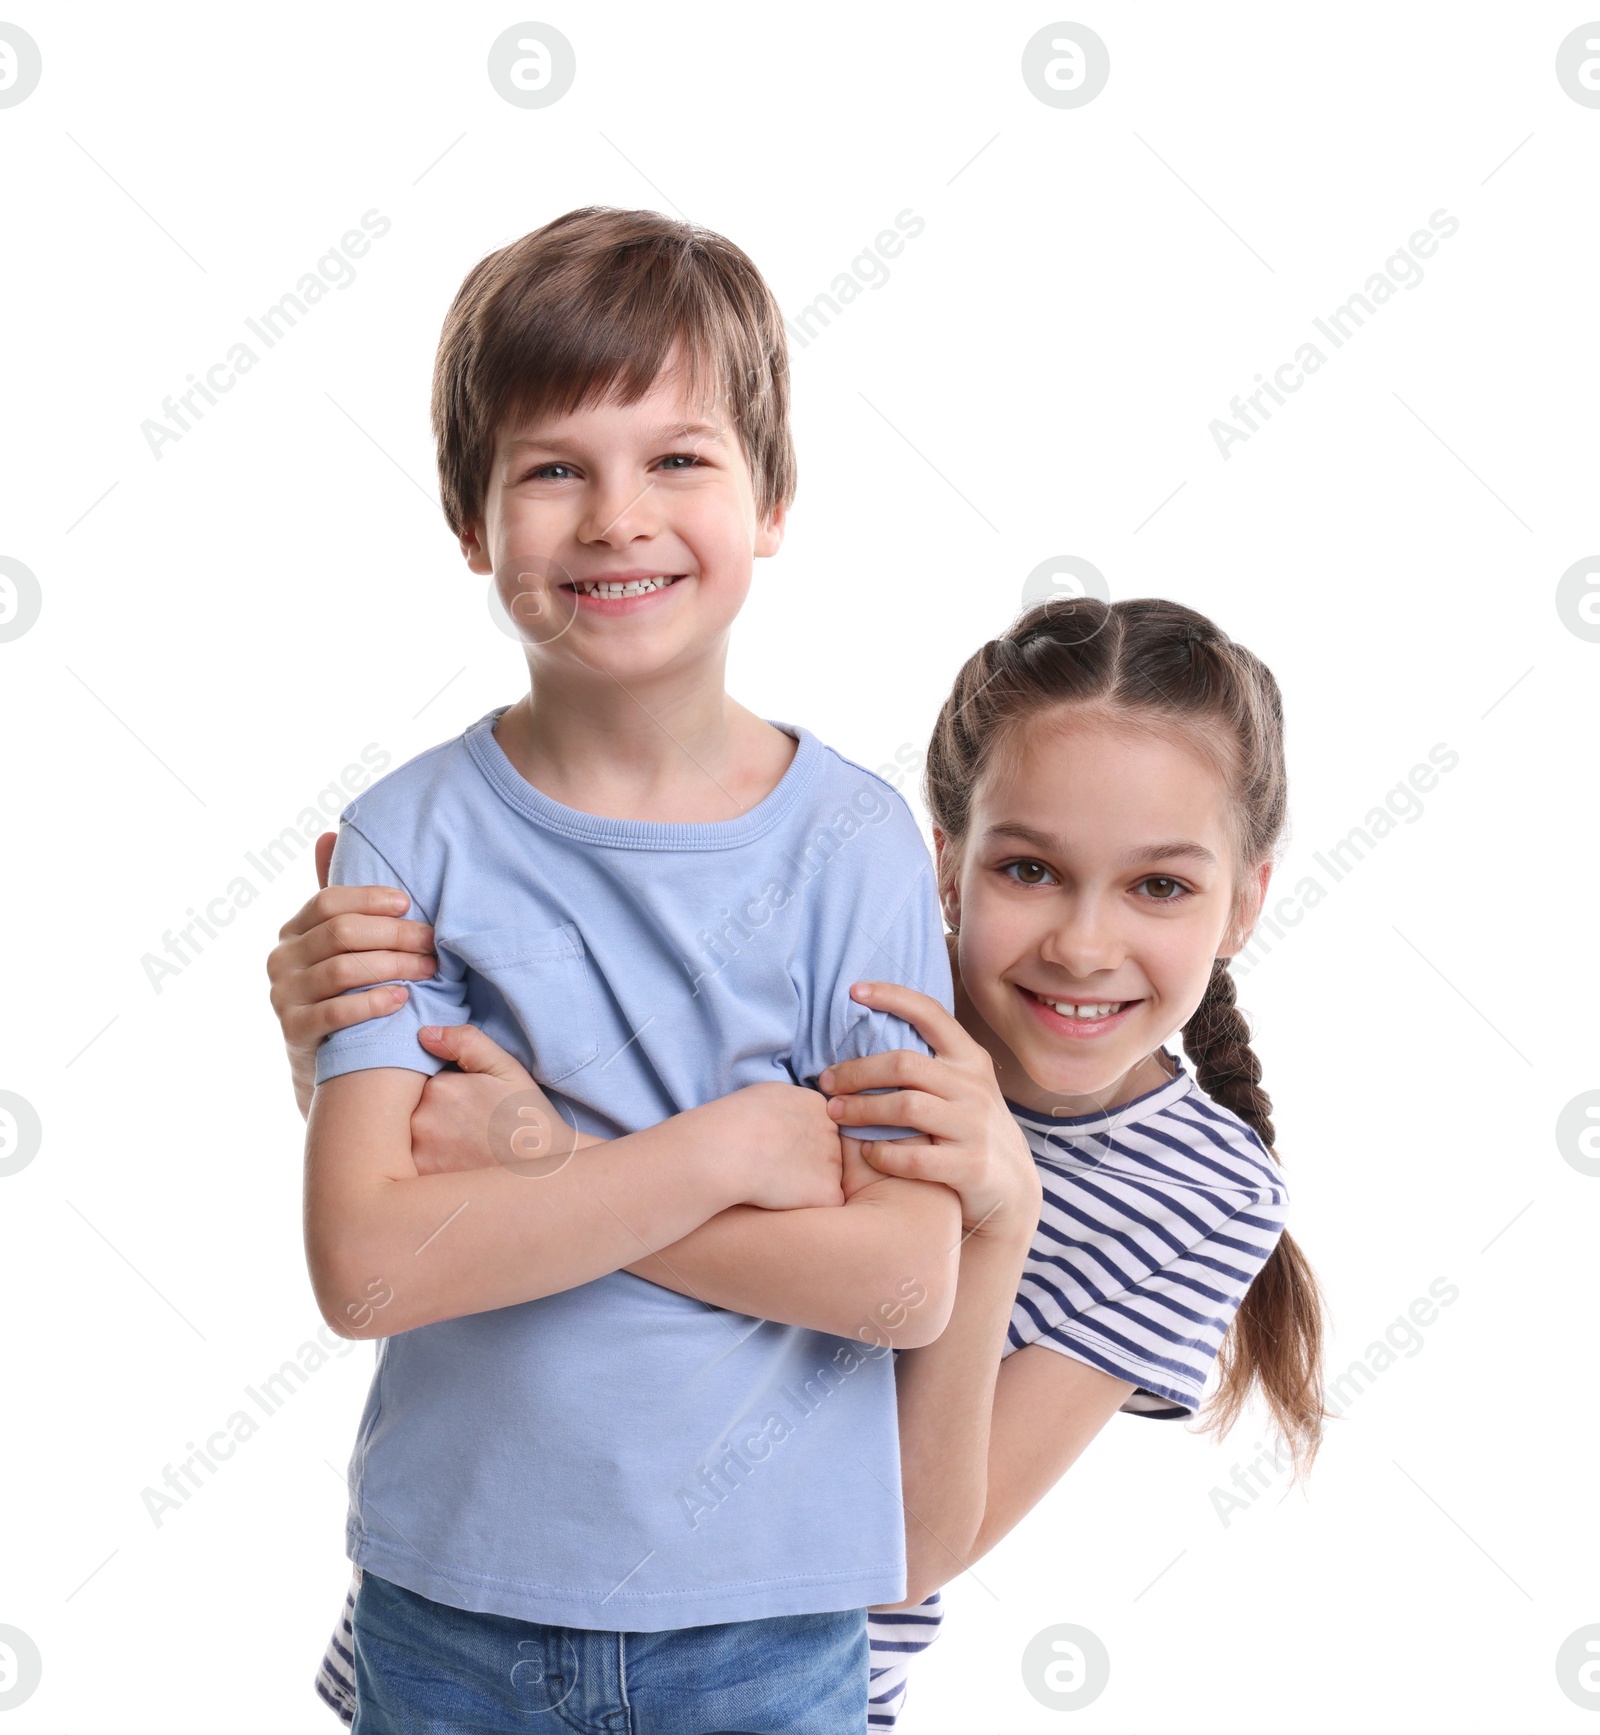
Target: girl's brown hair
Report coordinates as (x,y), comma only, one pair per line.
(593,303)
(1149,664)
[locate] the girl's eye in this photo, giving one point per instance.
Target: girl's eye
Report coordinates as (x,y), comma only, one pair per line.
(1163,890)
(544,471)
(686,459)
(1027,873)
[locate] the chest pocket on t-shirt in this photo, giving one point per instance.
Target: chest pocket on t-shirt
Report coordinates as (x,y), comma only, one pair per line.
(542,974)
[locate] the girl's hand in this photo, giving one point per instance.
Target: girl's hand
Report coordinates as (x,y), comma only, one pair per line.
(344,937)
(468,1120)
(971,1144)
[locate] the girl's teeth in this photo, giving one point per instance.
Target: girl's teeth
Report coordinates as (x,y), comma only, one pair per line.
(1086,1009)
(633,587)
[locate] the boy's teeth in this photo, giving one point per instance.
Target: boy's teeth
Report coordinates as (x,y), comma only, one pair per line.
(632,587)
(1086,1008)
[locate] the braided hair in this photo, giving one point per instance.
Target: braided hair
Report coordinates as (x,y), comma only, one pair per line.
(1149,661)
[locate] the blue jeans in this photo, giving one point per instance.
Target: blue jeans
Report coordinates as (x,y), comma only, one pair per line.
(424,1668)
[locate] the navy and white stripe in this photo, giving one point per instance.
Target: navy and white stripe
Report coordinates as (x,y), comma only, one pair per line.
(895,1638)
(1156,1219)
(336,1674)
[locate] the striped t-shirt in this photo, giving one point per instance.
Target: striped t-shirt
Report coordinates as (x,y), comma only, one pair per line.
(1156,1218)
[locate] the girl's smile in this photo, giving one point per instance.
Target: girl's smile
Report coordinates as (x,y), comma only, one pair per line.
(1095,890)
(1077,1018)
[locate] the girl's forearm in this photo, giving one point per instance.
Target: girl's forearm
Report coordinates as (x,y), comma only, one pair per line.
(946,1404)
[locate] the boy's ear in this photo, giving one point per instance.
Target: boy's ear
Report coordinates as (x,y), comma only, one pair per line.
(769,534)
(473,550)
(1251,900)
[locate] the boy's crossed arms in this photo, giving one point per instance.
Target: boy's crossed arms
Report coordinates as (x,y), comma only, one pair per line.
(752,1202)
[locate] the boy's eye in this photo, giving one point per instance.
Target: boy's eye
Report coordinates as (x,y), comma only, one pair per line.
(1162,889)
(1027,873)
(686,459)
(544,471)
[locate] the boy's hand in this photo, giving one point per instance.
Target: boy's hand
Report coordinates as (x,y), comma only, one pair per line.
(784,1143)
(779,1134)
(858,1172)
(454,1126)
(344,937)
(972,1143)
(350,936)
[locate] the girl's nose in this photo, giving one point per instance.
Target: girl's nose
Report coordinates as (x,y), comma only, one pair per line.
(1083,941)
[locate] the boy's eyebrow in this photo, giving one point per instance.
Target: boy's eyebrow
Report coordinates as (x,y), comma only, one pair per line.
(1183,848)
(677,431)
(691,430)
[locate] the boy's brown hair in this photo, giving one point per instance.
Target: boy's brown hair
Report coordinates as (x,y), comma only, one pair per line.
(591,305)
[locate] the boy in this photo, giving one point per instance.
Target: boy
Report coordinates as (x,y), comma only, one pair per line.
(573,1487)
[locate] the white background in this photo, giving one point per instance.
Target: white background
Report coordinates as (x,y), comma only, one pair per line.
(228,626)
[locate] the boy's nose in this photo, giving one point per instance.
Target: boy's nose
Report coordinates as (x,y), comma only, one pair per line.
(621,514)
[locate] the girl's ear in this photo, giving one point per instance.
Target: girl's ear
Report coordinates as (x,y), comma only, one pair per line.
(1252,896)
(949,896)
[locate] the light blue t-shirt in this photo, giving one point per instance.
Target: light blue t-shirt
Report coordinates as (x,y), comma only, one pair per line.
(621,1456)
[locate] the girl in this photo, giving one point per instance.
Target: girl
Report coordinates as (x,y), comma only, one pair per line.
(1108,795)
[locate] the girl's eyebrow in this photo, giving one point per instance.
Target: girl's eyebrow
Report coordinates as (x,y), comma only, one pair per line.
(1183,848)
(1180,847)
(1023,834)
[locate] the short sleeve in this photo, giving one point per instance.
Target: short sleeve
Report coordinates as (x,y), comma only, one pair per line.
(909,949)
(392,1039)
(1157,1326)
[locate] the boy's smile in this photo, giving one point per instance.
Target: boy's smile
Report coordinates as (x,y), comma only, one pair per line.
(1095,890)
(621,536)
(620,592)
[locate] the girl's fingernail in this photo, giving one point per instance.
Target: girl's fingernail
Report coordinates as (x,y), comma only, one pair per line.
(825,1080)
(396,995)
(431,1031)
(862,990)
